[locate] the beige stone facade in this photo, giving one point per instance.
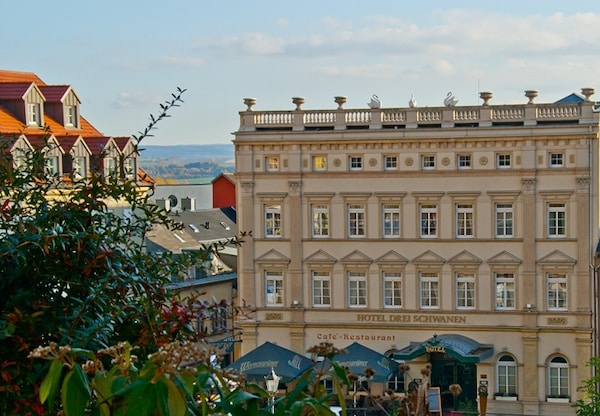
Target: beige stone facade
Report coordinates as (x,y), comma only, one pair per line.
(393,227)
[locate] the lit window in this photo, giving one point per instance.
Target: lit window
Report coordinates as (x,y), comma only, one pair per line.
(319,163)
(505,291)
(558,377)
(465,291)
(392,290)
(429,290)
(391,221)
(357,290)
(557,220)
(427,162)
(556,160)
(464,221)
(390,163)
(503,160)
(272,163)
(356,221)
(506,376)
(321,288)
(428,213)
(504,220)
(274,288)
(464,161)
(273,221)
(355,162)
(320,221)
(556,286)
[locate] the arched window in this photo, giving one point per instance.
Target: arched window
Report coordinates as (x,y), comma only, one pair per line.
(558,377)
(506,376)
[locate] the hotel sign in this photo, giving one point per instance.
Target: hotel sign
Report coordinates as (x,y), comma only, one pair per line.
(411,318)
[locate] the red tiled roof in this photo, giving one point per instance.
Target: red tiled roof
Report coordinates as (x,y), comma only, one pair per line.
(122,142)
(17,76)
(14,90)
(54,93)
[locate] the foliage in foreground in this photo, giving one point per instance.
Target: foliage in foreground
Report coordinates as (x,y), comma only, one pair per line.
(589,405)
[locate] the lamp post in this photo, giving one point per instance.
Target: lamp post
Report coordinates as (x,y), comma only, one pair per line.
(272,382)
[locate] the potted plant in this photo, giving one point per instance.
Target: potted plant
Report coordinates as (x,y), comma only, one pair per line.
(483,394)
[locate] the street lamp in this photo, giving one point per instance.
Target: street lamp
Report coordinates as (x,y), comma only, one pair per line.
(272,382)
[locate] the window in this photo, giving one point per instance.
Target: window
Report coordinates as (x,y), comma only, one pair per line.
(503,160)
(110,166)
(272,163)
(80,167)
(464,161)
(321,283)
(273,221)
(465,291)
(428,213)
(558,377)
(506,376)
(427,162)
(504,220)
(71,116)
(390,163)
(52,165)
(392,290)
(319,163)
(356,220)
(505,291)
(320,221)
(557,220)
(556,284)
(391,221)
(355,162)
(556,160)
(34,114)
(396,382)
(130,169)
(357,290)
(274,288)
(429,291)
(464,221)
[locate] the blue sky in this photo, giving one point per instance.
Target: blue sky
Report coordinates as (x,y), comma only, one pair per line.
(125,57)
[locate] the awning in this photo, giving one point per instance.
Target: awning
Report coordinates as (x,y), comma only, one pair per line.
(258,363)
(462,348)
(358,358)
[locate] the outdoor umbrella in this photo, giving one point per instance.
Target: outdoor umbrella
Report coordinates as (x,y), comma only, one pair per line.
(258,363)
(358,358)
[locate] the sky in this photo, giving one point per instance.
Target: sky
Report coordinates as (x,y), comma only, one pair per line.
(124,58)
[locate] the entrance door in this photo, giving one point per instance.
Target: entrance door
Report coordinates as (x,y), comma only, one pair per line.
(446,370)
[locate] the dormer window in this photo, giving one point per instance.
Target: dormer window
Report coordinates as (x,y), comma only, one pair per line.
(71,118)
(34,116)
(52,165)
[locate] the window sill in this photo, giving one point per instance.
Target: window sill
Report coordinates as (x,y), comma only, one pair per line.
(557,399)
(506,398)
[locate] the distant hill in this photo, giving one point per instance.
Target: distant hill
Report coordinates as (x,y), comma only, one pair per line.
(191,152)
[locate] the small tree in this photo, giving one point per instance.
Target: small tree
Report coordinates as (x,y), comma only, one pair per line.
(589,405)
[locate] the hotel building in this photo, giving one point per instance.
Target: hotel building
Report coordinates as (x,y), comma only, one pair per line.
(460,236)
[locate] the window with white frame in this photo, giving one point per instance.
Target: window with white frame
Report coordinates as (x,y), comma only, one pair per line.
(505,291)
(52,165)
(110,166)
(319,163)
(130,169)
(320,221)
(273,289)
(355,162)
(429,290)
(503,160)
(396,382)
(504,220)
(272,163)
(428,220)
(464,161)
(390,162)
(557,220)
(558,377)
(80,167)
(391,220)
(34,114)
(506,376)
(273,221)
(427,162)
(356,221)
(464,221)
(556,159)
(392,289)
(71,116)
(465,290)
(357,290)
(321,288)
(556,289)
